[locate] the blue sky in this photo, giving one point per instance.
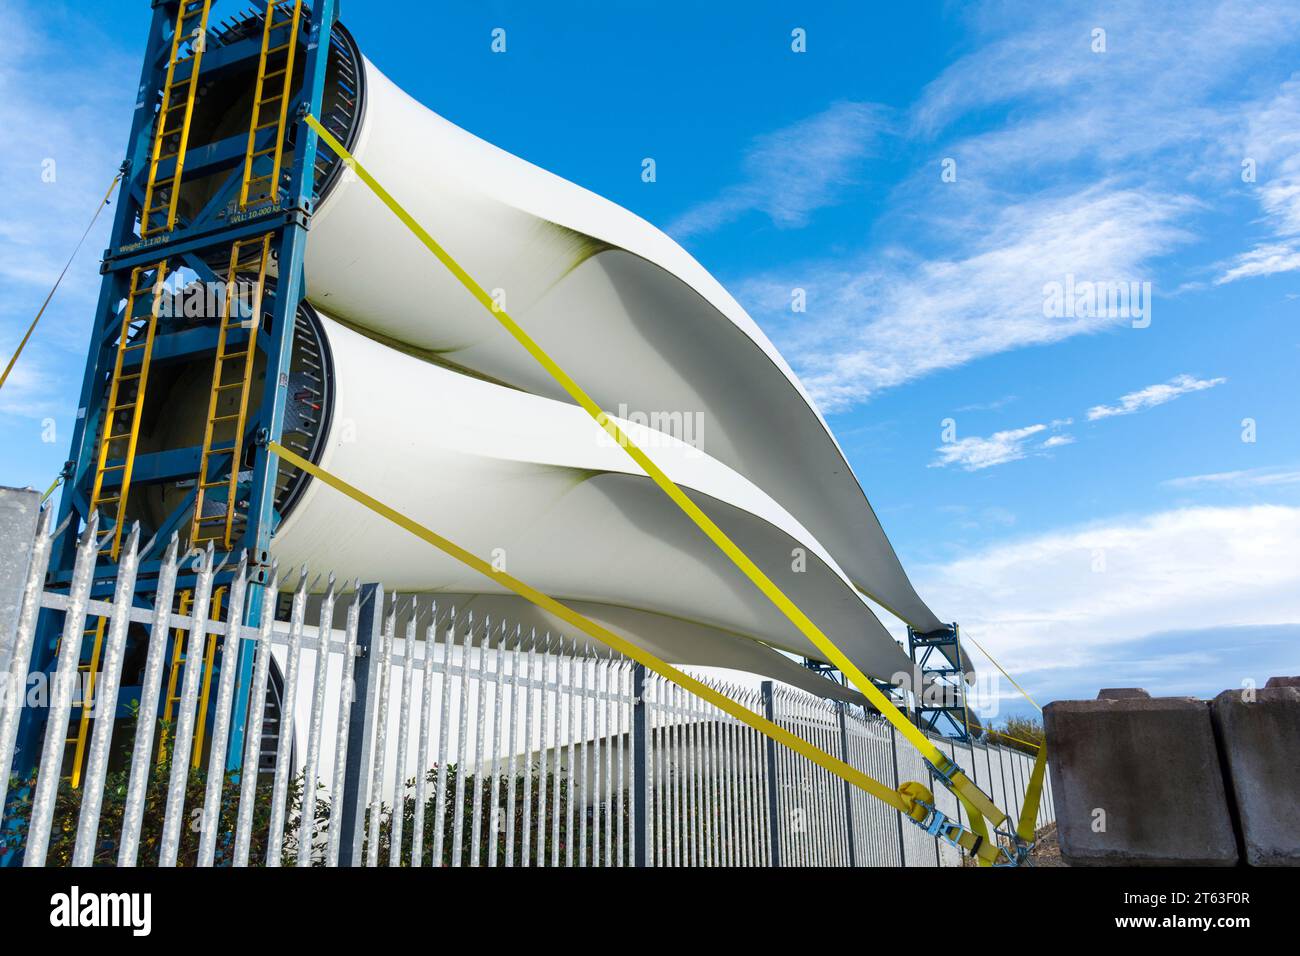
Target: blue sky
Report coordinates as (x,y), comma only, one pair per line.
(1096,517)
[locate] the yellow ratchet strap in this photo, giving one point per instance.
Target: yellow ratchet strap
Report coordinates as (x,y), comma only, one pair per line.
(954,778)
(1024,693)
(1029,812)
(974,841)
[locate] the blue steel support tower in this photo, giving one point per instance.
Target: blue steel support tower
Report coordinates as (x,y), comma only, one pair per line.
(941,698)
(225,204)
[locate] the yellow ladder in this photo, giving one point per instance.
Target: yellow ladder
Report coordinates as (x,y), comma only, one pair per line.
(119,434)
(271,97)
(174,115)
(120,429)
(87,701)
(223,432)
(228,400)
(179,643)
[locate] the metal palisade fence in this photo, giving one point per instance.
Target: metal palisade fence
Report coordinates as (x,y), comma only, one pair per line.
(414,736)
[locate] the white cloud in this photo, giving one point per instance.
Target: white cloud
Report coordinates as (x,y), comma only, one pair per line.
(1061,600)
(793,171)
(1161,79)
(976,453)
(67,115)
(886,318)
(1263,260)
(1271,143)
(992,406)
(1154,395)
(999,448)
(1249,478)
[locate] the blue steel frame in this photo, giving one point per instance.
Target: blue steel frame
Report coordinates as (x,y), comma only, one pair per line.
(210,228)
(950,719)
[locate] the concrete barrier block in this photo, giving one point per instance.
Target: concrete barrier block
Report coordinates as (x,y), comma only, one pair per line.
(1137,782)
(20,509)
(1260,741)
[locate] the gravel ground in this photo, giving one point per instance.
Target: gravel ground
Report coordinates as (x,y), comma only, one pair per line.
(1046,852)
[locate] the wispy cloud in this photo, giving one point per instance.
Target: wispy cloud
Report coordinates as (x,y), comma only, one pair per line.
(976,453)
(58,159)
(793,171)
(1162,77)
(1154,395)
(1271,146)
(991,406)
(1248,478)
(888,317)
(1263,260)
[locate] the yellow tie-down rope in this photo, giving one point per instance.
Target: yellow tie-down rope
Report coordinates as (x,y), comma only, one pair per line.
(4,376)
(977,802)
(1029,812)
(912,799)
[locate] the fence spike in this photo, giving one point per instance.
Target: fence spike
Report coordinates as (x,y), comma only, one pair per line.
(221,725)
(24,638)
(182,741)
(105,699)
(142,750)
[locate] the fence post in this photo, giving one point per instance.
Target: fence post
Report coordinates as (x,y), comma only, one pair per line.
(361,726)
(640,766)
(848,787)
(893,752)
(773,814)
